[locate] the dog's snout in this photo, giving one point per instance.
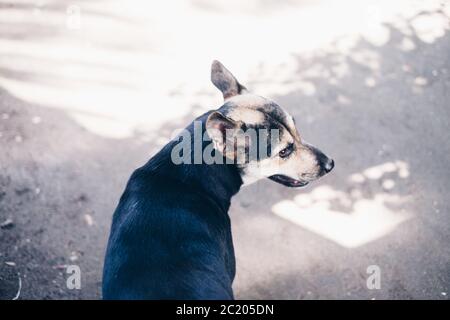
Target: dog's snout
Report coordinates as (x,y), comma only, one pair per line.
(328,165)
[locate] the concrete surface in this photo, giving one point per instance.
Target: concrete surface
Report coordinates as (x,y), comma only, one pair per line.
(379,106)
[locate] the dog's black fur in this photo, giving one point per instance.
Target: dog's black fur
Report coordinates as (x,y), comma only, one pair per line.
(171,235)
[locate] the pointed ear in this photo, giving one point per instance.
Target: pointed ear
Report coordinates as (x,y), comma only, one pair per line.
(225,81)
(223,130)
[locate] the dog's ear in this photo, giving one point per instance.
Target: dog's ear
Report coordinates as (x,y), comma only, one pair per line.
(224,133)
(225,81)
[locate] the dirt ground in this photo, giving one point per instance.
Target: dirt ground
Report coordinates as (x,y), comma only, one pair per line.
(382,111)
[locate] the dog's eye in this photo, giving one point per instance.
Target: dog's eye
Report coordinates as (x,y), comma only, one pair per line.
(286,151)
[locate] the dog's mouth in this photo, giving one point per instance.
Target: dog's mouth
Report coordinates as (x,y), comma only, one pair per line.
(287,181)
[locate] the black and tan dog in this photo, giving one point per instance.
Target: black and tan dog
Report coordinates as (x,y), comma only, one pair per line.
(170,236)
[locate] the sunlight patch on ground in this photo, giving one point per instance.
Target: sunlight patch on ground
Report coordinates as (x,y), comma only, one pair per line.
(430,27)
(376,172)
(350,219)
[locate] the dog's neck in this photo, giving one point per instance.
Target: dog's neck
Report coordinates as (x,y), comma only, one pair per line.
(218,182)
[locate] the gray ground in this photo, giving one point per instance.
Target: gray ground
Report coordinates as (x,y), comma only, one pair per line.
(55,174)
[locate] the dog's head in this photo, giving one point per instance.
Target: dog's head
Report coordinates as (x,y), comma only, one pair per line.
(274,149)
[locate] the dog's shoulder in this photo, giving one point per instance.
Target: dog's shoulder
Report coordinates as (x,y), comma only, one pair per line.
(155,206)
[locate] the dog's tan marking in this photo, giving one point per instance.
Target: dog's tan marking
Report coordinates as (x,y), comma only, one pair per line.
(248,100)
(246,115)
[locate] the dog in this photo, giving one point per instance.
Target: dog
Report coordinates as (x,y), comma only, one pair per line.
(171,236)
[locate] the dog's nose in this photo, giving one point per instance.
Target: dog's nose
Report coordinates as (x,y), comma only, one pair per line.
(329,165)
